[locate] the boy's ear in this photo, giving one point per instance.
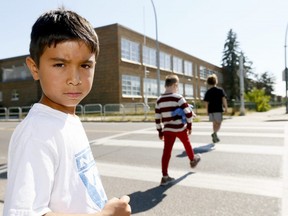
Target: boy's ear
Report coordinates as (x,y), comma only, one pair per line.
(32,67)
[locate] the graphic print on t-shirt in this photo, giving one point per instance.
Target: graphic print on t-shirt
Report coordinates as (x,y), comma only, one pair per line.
(89,175)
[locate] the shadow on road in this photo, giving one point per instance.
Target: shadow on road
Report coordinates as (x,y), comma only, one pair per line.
(199,150)
(143,201)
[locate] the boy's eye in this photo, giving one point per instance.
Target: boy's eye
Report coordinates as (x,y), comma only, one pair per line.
(86,66)
(59,65)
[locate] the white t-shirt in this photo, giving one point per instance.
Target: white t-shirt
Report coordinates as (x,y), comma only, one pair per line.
(51,167)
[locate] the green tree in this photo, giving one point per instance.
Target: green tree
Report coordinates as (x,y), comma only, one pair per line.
(260,99)
(265,81)
(230,65)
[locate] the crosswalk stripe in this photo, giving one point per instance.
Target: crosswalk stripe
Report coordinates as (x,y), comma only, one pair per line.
(236,148)
(238,127)
(207,133)
(285,175)
(270,187)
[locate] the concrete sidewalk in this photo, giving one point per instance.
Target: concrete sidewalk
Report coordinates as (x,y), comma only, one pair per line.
(276,114)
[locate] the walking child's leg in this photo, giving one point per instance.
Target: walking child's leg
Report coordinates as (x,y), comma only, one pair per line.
(216,126)
(169,139)
(183,136)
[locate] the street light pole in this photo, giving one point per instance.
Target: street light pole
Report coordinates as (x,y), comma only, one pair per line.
(286,70)
(157,51)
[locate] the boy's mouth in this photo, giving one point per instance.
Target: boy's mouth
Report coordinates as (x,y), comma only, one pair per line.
(73,94)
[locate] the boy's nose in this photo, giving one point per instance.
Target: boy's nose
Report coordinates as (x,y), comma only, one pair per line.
(74,78)
(75,81)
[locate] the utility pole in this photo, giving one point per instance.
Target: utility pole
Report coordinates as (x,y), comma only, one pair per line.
(241,76)
(157,51)
(286,70)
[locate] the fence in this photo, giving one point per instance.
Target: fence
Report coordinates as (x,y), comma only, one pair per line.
(87,111)
(110,112)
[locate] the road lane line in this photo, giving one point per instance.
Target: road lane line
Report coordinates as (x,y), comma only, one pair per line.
(284,205)
(208,133)
(238,148)
(270,187)
(103,140)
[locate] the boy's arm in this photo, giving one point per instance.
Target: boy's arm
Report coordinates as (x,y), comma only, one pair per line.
(206,107)
(158,122)
(114,207)
(188,114)
(224,101)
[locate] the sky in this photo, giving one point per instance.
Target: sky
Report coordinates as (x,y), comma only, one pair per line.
(196,27)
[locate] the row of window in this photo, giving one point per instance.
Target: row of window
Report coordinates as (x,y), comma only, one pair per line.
(130,51)
(131,87)
(16,73)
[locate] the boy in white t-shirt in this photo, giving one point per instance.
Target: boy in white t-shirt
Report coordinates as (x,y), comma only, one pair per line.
(51,169)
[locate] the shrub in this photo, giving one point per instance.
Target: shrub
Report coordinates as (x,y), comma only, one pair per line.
(258,97)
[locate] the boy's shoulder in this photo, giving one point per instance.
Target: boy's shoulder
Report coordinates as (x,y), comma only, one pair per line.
(169,95)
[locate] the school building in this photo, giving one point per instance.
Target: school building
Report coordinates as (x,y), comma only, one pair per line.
(126,72)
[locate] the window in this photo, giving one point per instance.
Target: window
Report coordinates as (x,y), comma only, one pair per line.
(165,61)
(130,50)
(202,72)
(203,90)
(149,56)
(188,68)
(14,95)
(150,87)
(131,86)
(180,88)
(177,65)
(189,91)
(16,73)
(220,77)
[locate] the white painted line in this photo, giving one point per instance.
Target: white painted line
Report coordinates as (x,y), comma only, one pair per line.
(225,126)
(238,148)
(208,133)
(3,168)
(284,206)
(270,187)
(103,140)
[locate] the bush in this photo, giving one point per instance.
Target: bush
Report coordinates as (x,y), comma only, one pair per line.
(259,98)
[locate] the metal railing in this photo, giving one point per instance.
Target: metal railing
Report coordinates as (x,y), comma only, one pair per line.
(86,112)
(108,112)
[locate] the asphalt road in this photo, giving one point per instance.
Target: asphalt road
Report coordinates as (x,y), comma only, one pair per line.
(245,174)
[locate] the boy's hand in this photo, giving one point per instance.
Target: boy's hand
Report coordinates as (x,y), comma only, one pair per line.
(189,131)
(160,135)
(117,207)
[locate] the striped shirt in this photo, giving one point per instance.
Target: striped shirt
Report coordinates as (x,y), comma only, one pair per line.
(165,105)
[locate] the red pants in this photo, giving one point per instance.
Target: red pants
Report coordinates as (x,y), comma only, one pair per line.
(169,140)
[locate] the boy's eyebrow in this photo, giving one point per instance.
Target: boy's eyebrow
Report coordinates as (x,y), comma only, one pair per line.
(65,60)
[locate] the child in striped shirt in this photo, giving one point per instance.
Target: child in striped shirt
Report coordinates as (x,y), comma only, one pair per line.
(171,127)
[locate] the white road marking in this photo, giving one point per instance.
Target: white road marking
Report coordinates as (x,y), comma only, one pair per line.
(270,187)
(284,205)
(238,148)
(208,133)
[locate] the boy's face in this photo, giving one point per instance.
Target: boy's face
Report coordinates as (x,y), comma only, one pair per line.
(65,73)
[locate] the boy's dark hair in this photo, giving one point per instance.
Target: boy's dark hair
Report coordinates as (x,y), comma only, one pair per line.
(171,79)
(61,25)
(212,80)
